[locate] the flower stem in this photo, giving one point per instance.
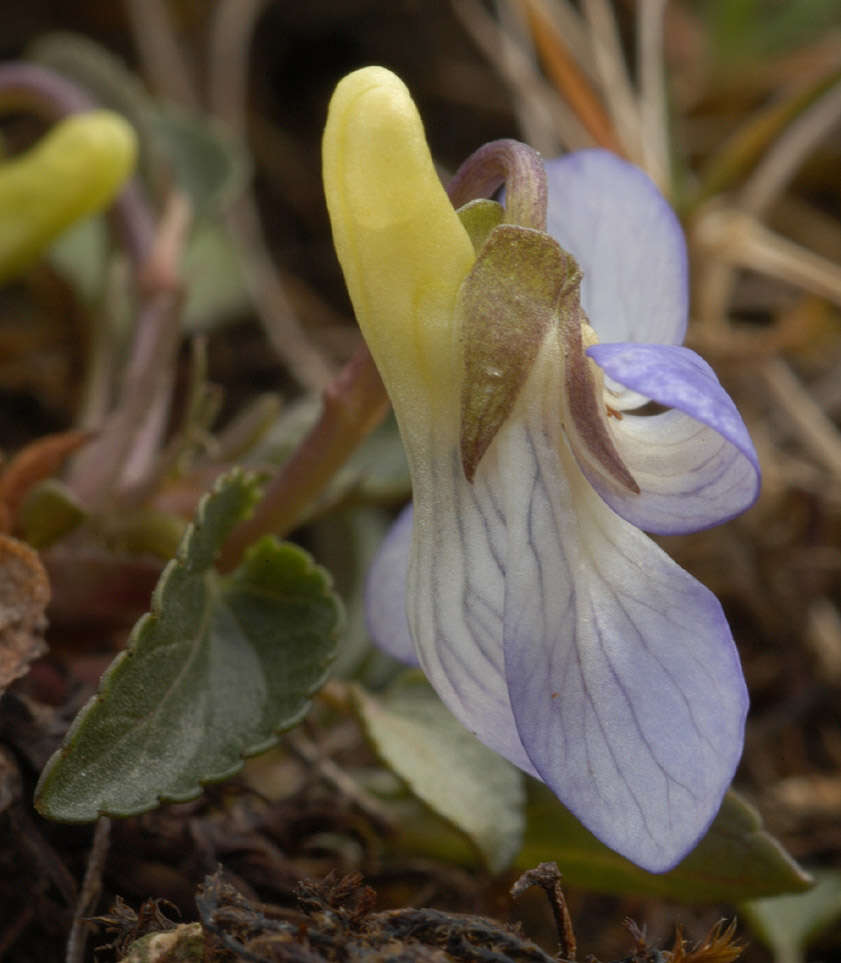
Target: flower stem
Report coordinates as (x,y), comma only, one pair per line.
(516,166)
(354,404)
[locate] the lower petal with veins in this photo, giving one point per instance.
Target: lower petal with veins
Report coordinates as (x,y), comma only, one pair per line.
(623,677)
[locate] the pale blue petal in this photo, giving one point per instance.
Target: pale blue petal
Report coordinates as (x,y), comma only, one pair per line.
(385,592)
(455,594)
(449,566)
(628,242)
(623,677)
(695,463)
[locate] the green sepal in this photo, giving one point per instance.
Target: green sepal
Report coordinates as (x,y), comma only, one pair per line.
(507,305)
(479,218)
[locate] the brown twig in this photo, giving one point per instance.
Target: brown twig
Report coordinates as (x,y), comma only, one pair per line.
(88,895)
(548,878)
(162,56)
(124,453)
(309,752)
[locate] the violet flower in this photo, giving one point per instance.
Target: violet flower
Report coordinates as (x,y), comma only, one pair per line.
(519,359)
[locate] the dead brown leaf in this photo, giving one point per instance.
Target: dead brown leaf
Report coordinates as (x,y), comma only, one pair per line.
(24,594)
(36,461)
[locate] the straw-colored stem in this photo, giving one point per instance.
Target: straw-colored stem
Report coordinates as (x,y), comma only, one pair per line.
(741,241)
(652,82)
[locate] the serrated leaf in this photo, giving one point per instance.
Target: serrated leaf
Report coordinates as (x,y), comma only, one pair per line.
(736,860)
(445,766)
(215,672)
(788,924)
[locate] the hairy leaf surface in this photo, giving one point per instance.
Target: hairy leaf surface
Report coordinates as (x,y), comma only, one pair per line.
(218,668)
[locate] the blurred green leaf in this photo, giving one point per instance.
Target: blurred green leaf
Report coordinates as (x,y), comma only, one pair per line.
(212,278)
(377,471)
(751,29)
(142,531)
(445,766)
(81,254)
(216,671)
(740,153)
(736,860)
(208,162)
(788,924)
(345,542)
(49,511)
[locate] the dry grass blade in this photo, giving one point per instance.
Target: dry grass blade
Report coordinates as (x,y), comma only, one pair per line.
(572,83)
(738,239)
(817,433)
(652,82)
(616,87)
(743,149)
(232,29)
(539,107)
(773,173)
(162,56)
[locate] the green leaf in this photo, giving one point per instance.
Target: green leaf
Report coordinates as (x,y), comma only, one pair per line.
(788,924)
(49,511)
(216,671)
(736,860)
(81,253)
(749,30)
(213,279)
(445,766)
(346,542)
(209,162)
(378,471)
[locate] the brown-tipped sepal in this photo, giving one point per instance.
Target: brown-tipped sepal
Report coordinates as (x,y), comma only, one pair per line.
(585,402)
